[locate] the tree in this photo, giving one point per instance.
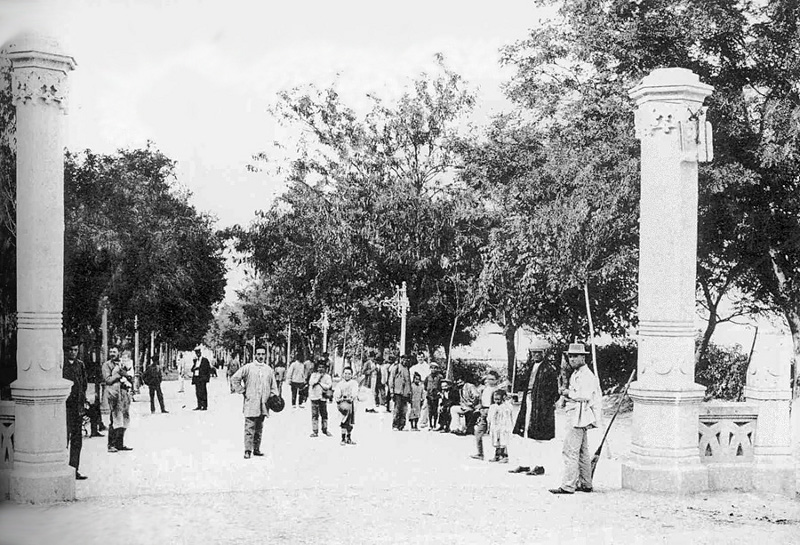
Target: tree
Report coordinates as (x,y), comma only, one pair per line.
(8,255)
(130,237)
(750,53)
(371,203)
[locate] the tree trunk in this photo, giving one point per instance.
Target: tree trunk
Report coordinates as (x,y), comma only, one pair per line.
(711,326)
(510,332)
(450,348)
(793,318)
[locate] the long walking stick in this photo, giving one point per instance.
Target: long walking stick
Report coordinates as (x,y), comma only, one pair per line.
(596,457)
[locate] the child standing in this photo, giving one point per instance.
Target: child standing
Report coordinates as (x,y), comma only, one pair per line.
(345,395)
(417,397)
(500,420)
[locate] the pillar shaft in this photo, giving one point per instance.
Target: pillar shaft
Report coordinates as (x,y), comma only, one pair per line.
(670,123)
(41,473)
(769,386)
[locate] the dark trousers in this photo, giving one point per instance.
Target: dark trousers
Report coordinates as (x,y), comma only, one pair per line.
(74,437)
(297,393)
(156,390)
(253,428)
(95,419)
(319,408)
(116,436)
(445,417)
(481,429)
(400,404)
(470,420)
(433,411)
(201,391)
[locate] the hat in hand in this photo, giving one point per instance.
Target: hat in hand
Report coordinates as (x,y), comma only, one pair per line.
(275,403)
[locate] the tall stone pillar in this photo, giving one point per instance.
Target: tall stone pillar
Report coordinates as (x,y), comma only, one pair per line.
(769,386)
(40,473)
(670,123)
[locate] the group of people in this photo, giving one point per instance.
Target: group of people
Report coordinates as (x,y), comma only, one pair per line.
(486,410)
(461,407)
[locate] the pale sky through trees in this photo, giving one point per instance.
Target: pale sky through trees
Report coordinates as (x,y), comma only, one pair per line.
(196,76)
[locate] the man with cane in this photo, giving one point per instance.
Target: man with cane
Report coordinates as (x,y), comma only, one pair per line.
(583,408)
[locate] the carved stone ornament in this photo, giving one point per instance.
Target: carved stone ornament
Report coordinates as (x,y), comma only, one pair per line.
(48,86)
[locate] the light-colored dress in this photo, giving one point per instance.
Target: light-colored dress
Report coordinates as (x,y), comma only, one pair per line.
(417,397)
(501,421)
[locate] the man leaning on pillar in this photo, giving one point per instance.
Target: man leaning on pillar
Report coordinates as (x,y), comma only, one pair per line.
(75,371)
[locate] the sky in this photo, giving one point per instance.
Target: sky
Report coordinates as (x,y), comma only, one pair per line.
(196,76)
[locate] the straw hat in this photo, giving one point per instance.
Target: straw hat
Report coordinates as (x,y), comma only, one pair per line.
(577,349)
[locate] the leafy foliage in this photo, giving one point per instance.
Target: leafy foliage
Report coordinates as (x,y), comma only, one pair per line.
(132,239)
(371,203)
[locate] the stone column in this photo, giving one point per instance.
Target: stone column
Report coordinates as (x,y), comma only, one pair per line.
(769,386)
(40,472)
(670,123)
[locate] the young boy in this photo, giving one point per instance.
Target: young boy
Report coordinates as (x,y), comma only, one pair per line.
(345,395)
(319,382)
(486,396)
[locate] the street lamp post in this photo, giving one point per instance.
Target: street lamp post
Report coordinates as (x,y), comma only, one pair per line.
(323,323)
(399,304)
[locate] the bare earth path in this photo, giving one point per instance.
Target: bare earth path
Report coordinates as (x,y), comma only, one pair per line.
(186,482)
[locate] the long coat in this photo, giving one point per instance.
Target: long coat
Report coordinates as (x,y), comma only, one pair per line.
(542,426)
(257,382)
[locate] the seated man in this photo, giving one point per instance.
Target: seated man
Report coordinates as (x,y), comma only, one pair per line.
(466,413)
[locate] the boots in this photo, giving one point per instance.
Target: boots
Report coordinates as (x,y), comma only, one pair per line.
(344,438)
(496,455)
(112,439)
(325,429)
(503,455)
(349,440)
(121,440)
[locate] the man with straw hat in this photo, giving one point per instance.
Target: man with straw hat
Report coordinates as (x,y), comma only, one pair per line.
(583,408)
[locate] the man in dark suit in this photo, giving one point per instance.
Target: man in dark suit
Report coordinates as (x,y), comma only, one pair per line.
(201,374)
(152,377)
(75,371)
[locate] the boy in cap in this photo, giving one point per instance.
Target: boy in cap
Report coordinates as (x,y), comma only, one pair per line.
(448,398)
(345,395)
(583,407)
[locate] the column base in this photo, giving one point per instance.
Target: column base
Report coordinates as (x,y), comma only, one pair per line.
(680,479)
(775,478)
(40,487)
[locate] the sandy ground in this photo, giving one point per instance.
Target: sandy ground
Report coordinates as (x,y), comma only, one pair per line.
(187,482)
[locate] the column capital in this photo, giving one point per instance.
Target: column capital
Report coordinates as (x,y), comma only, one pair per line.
(670,102)
(39,70)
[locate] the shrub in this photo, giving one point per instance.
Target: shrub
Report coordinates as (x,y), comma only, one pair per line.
(723,372)
(616,361)
(471,371)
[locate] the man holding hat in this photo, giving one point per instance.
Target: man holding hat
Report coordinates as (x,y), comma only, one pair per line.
(256,381)
(536,420)
(583,408)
